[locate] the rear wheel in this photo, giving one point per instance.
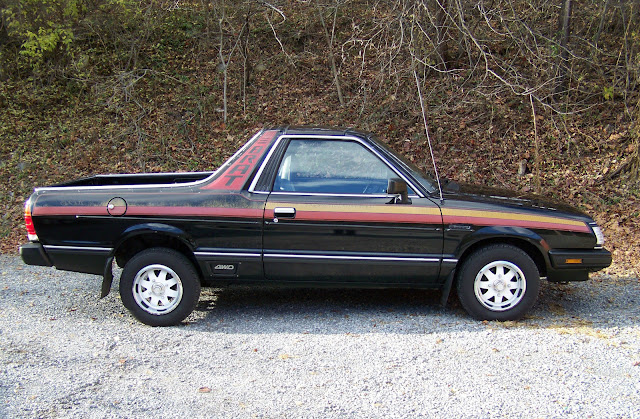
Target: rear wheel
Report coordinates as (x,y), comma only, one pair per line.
(160,287)
(498,282)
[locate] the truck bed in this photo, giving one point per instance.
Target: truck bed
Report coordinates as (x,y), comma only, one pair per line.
(137,179)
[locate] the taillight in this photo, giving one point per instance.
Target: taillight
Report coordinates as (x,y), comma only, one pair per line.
(28,221)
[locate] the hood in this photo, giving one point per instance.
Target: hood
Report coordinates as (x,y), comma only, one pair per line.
(496,196)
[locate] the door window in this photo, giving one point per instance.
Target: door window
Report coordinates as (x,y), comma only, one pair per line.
(331,166)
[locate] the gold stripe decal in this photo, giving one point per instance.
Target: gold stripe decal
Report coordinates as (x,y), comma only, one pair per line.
(509,216)
(367,209)
(415,214)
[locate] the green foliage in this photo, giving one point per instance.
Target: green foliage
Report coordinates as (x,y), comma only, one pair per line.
(44,29)
(43,35)
(47,40)
(608,92)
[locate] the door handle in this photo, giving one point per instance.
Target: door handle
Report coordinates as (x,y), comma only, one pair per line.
(283,212)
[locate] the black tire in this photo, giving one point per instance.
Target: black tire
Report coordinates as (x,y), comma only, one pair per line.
(160,287)
(498,282)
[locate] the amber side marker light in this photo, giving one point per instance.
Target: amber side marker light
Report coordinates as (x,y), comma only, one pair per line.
(573,261)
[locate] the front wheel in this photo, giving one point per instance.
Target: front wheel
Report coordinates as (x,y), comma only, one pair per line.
(159,287)
(498,282)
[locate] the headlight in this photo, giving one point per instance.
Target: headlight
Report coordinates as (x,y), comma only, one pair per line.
(599,236)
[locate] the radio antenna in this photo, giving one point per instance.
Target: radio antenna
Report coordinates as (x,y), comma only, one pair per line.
(426,130)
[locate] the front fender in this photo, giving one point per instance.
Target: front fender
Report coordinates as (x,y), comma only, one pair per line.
(505,234)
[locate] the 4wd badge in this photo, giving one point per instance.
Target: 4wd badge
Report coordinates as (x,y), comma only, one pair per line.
(224,268)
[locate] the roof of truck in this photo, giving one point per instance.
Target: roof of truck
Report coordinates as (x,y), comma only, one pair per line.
(321,130)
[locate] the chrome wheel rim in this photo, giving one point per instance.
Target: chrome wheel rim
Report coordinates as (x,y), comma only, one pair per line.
(157,289)
(500,285)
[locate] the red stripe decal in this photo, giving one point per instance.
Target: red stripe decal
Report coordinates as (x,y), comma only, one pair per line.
(196,212)
(39,211)
(256,213)
(238,173)
(367,217)
(154,211)
(428,219)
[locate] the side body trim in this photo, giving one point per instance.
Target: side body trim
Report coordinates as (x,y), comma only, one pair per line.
(231,254)
(344,257)
(79,248)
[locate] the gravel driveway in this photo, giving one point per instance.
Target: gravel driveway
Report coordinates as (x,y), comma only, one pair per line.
(314,353)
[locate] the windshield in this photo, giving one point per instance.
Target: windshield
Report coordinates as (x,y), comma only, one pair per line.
(425,179)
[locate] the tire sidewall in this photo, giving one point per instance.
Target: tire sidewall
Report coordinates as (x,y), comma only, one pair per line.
(182,267)
(481,258)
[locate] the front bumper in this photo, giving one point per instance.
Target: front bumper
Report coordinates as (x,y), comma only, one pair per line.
(34,254)
(575,265)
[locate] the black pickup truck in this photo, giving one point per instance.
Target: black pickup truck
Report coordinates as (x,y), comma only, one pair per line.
(309,207)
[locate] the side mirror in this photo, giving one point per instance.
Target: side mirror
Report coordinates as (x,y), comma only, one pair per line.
(397,186)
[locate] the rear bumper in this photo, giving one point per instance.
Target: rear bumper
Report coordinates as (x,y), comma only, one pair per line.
(575,265)
(90,260)
(34,254)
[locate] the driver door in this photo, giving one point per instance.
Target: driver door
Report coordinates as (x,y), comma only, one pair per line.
(329,219)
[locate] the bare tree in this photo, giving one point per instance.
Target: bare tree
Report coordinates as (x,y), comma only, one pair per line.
(330,39)
(564,30)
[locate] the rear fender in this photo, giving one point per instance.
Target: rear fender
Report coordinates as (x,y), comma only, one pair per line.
(142,236)
(155,228)
(152,232)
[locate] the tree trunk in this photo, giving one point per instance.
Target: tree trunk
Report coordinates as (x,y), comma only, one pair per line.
(596,38)
(564,30)
(246,64)
(329,39)
(224,64)
(4,36)
(441,33)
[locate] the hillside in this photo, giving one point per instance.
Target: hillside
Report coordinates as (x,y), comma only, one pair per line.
(178,86)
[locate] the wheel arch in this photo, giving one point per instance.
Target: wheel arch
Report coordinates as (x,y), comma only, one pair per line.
(145,236)
(526,240)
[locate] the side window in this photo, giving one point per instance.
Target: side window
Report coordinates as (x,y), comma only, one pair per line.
(331,166)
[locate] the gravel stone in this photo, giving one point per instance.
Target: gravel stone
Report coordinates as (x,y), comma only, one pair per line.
(262,352)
